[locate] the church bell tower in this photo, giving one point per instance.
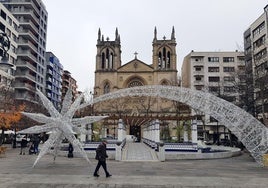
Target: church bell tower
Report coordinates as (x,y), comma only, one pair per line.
(108,56)
(164,52)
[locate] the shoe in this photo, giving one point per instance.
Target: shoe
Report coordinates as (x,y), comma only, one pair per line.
(96,175)
(109,175)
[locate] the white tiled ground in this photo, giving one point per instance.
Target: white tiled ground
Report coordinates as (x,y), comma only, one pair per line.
(138,152)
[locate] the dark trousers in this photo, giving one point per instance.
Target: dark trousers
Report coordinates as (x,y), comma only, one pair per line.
(104,166)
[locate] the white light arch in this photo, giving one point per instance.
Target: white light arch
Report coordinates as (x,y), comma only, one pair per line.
(252,133)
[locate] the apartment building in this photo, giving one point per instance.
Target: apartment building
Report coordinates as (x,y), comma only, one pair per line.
(219,73)
(54,72)
(68,82)
(31,53)
(8,29)
(256,58)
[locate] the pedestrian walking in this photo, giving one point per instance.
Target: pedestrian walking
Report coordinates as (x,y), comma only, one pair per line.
(70,151)
(23,145)
(36,141)
(101,156)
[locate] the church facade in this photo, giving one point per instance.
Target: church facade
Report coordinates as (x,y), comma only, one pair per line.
(112,74)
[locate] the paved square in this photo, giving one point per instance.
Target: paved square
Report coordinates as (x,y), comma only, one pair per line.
(16,171)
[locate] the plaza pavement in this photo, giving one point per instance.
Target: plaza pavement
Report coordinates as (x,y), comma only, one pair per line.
(16,171)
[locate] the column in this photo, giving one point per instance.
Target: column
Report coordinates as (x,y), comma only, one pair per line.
(185,132)
(194,131)
(89,136)
(118,151)
(120,130)
(157,131)
(83,136)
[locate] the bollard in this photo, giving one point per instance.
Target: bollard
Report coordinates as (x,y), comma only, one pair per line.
(161,147)
(118,151)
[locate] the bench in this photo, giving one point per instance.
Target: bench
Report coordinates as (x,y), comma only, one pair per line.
(3,150)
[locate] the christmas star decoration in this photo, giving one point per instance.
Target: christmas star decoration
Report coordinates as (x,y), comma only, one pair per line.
(61,125)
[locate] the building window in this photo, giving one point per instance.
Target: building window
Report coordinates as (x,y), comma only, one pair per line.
(213,69)
(198,78)
(259,42)
(164,61)
(228,69)
(228,59)
(214,89)
(198,68)
(214,79)
(106,88)
(213,59)
(3,15)
(262,54)
(259,29)
(229,89)
(107,59)
(198,87)
(228,79)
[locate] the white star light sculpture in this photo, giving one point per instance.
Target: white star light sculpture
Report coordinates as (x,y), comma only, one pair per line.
(61,125)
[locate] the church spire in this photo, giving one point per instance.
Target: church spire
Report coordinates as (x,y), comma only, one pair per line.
(116,34)
(173,34)
(155,33)
(99,34)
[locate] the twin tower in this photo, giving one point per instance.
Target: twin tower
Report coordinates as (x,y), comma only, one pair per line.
(111,75)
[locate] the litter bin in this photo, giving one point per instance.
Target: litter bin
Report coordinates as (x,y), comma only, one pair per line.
(265,160)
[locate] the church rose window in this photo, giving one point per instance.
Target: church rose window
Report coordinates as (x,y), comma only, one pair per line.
(135,83)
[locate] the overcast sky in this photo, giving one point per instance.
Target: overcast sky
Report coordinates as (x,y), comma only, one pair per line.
(200,25)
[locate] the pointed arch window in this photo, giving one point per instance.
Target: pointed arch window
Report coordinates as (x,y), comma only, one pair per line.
(164,59)
(168,60)
(106,88)
(107,59)
(102,60)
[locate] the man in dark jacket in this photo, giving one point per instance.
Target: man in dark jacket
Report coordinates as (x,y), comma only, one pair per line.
(23,145)
(101,156)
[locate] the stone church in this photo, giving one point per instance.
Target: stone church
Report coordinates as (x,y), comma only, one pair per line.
(112,74)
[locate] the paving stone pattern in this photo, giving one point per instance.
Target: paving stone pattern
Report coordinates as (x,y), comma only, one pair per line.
(238,172)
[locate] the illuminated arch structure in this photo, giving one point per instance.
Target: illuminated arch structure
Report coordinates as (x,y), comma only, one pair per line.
(252,133)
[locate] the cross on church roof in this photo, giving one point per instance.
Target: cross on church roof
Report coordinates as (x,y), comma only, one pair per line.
(136,53)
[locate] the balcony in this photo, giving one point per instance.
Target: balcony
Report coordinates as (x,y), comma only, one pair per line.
(49,72)
(50,65)
(26,33)
(26,23)
(26,54)
(27,44)
(49,80)
(24,86)
(24,64)
(24,12)
(201,72)
(25,75)
(199,82)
